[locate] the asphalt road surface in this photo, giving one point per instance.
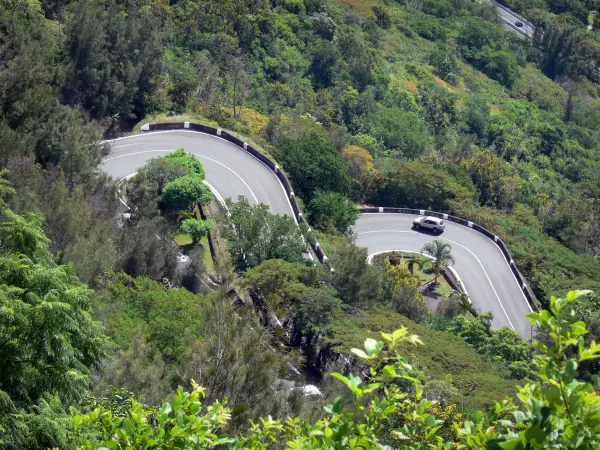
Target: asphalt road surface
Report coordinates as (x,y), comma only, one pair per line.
(510,20)
(480,264)
(229,170)
(232,172)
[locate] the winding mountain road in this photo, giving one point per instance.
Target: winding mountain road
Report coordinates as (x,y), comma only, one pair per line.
(232,172)
(510,19)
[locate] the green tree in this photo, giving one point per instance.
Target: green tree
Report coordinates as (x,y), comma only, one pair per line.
(382,16)
(332,211)
(484,45)
(497,182)
(256,235)
(354,279)
(235,359)
(188,160)
(183,77)
(5,190)
(313,310)
(439,108)
(132,305)
(428,27)
(477,115)
(48,338)
(198,228)
(504,346)
(442,255)
(455,304)
(500,65)
(313,164)
(549,413)
(147,249)
(115,52)
(402,132)
(445,64)
(404,186)
(415,260)
(400,290)
(140,369)
(160,172)
(325,61)
(185,192)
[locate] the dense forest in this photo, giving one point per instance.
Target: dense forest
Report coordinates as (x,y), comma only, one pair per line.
(98,324)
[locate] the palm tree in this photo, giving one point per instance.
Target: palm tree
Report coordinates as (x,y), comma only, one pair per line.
(456,303)
(415,259)
(442,254)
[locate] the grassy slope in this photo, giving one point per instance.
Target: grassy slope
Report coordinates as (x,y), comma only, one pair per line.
(479,384)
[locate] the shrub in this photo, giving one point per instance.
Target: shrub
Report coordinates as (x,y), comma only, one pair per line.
(184,159)
(332,211)
(185,192)
(198,228)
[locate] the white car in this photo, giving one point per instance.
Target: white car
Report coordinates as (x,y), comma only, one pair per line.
(434,224)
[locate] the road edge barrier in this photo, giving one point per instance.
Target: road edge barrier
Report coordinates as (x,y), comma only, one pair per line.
(520,279)
(287,186)
(314,243)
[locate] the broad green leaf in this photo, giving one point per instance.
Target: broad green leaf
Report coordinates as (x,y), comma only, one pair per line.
(166,408)
(360,353)
(370,346)
(389,371)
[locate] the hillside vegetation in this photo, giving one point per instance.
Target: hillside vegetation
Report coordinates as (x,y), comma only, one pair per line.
(429,105)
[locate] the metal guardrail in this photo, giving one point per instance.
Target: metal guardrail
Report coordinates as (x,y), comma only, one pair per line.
(512,13)
(218,132)
(524,286)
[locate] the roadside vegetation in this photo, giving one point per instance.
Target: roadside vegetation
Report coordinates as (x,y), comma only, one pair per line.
(428,105)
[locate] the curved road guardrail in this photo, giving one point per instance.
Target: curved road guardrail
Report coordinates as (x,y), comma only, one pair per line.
(379,229)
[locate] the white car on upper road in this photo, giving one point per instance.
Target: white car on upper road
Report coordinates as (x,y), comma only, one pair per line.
(434,224)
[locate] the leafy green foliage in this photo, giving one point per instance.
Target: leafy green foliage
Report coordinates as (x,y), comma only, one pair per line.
(418,185)
(115,52)
(181,158)
(332,211)
(428,27)
(354,279)
(441,253)
(402,132)
(450,370)
(160,171)
(198,228)
(235,359)
(445,63)
(129,305)
(49,341)
(49,338)
(504,346)
(185,192)
(523,144)
(549,414)
(312,164)
(487,48)
(256,235)
(177,423)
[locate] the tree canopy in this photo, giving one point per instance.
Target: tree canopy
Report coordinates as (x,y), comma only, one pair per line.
(257,235)
(313,164)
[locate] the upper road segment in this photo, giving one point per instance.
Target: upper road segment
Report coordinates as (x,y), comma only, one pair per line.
(511,20)
(229,171)
(232,172)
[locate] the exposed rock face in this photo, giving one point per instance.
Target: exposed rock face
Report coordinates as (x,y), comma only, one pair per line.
(319,356)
